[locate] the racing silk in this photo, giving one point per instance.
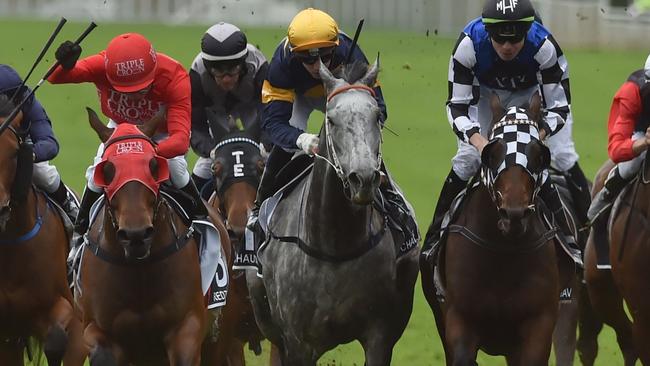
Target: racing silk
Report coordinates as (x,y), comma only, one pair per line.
(34,117)
(288,77)
(206,94)
(171,90)
(475,63)
(630,112)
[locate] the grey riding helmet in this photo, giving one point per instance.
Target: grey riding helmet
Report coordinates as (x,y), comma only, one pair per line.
(224,47)
(505,19)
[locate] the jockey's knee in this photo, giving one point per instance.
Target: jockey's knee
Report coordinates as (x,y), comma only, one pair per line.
(564,160)
(178,173)
(465,166)
(46,177)
(203,168)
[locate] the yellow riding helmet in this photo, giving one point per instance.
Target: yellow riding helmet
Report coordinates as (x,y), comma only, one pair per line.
(312,28)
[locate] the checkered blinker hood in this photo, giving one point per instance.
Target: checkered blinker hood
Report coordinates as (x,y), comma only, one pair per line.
(133,158)
(238,156)
(518,139)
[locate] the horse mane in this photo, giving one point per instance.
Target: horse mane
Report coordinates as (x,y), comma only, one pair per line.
(352,72)
(6,105)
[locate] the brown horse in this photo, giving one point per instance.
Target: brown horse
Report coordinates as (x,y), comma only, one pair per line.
(238,166)
(35,300)
(140,284)
(604,303)
(498,269)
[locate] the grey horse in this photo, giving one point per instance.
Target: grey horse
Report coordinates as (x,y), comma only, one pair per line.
(341,280)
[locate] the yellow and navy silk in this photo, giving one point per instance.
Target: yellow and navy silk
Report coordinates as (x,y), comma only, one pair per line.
(287,78)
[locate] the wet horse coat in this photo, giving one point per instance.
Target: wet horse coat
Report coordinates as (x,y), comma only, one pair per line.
(341,281)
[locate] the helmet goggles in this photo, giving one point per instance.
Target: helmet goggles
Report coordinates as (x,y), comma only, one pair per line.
(310,56)
(512,32)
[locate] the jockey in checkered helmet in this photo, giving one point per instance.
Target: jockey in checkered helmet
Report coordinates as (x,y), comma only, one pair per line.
(226,78)
(507,52)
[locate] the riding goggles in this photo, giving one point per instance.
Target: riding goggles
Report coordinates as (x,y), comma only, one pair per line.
(310,57)
(508,32)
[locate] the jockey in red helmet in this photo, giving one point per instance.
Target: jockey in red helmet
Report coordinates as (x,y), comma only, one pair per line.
(134,83)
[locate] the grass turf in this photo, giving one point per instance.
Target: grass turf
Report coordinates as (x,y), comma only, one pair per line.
(414,82)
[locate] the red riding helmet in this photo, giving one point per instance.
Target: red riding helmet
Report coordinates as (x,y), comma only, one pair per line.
(130,62)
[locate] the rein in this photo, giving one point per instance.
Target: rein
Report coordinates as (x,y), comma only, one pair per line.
(485,244)
(32,232)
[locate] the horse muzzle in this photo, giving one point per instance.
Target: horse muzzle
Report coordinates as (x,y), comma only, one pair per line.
(136,243)
(363,187)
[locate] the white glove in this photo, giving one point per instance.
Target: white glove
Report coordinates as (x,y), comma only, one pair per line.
(308,142)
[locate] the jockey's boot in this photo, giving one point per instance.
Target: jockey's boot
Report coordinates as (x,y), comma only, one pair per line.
(603,201)
(277,159)
(579,188)
(198,211)
(204,186)
(551,197)
(81,223)
(67,200)
(399,210)
(450,189)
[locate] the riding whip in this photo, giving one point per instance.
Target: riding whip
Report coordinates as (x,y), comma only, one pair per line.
(354,42)
(40,56)
(49,72)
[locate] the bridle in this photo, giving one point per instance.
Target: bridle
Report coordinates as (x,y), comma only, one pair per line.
(335,163)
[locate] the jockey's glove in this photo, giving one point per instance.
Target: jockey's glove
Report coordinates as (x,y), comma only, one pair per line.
(308,142)
(67,54)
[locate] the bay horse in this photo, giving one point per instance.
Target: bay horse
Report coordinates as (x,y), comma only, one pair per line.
(237,169)
(498,275)
(35,300)
(140,283)
(602,303)
(331,272)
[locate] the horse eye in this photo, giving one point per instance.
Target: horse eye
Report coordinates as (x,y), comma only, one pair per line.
(153,167)
(109,172)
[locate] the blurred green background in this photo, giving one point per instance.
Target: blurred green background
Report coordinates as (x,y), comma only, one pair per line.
(414,82)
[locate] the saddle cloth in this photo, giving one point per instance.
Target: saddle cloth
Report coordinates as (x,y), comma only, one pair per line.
(214,272)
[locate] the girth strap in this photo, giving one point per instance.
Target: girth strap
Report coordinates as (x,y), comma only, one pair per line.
(474,238)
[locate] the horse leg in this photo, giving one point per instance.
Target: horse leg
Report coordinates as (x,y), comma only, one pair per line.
(11,353)
(590,326)
(641,329)
(275,358)
(297,353)
(378,347)
(184,344)
(564,336)
(55,333)
(236,354)
(102,352)
(460,341)
(534,348)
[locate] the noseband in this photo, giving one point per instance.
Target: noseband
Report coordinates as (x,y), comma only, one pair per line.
(335,162)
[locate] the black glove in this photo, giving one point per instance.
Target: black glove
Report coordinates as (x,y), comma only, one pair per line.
(67,54)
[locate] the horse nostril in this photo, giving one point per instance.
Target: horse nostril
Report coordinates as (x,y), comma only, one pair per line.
(122,235)
(148,232)
(503,212)
(355,179)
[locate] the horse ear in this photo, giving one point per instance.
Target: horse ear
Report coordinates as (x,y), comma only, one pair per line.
(17,120)
(370,78)
(330,82)
(217,168)
(260,166)
(539,156)
(497,108)
(493,154)
(535,107)
(149,127)
(103,132)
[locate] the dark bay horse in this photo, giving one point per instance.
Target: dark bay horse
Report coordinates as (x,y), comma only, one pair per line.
(603,303)
(35,300)
(237,169)
(498,269)
(140,283)
(339,279)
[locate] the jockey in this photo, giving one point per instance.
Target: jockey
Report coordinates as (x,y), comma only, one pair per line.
(508,53)
(46,147)
(629,136)
(226,78)
(134,83)
(293,89)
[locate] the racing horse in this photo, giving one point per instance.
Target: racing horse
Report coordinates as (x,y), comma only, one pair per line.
(237,169)
(140,283)
(602,303)
(497,275)
(628,255)
(330,269)
(35,300)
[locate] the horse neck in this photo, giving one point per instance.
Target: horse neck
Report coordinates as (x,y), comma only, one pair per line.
(23,215)
(331,219)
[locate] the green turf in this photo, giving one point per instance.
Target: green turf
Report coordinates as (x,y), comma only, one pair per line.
(414,80)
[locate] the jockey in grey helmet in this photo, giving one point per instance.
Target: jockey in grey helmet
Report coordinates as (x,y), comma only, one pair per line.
(226,77)
(507,52)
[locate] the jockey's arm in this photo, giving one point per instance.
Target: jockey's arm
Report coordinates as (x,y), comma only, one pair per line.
(554,76)
(200,139)
(624,113)
(178,118)
(40,131)
(278,107)
(88,69)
